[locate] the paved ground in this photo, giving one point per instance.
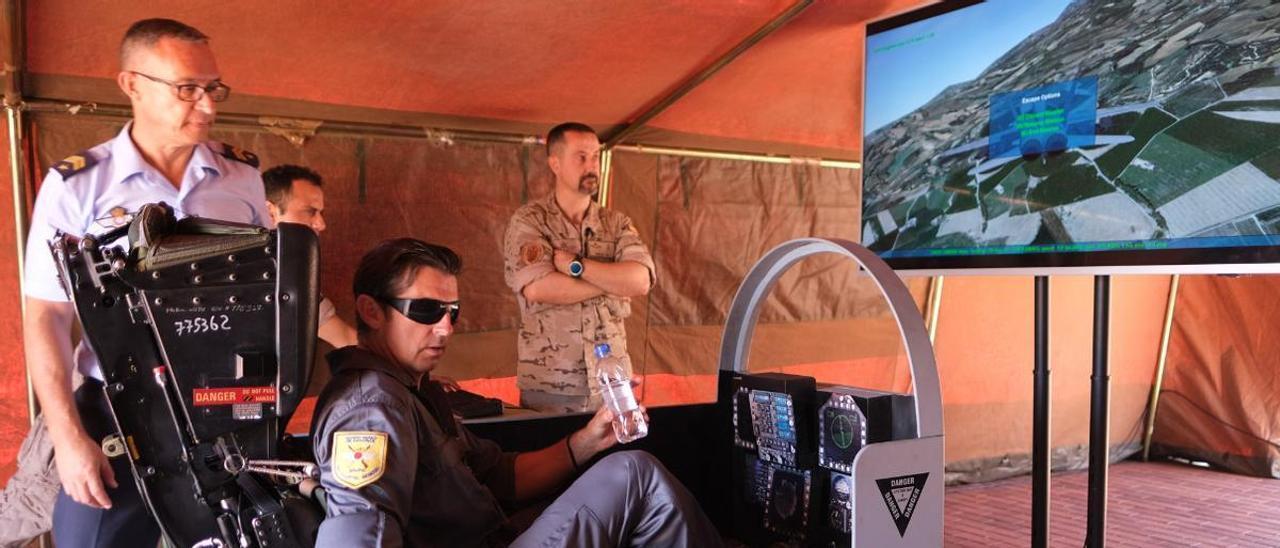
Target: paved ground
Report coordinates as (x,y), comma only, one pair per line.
(1149,505)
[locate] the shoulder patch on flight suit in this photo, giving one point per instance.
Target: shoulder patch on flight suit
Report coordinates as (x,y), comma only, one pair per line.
(239,154)
(359,458)
(74,164)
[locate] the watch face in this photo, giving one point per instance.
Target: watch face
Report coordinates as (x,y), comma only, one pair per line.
(575,268)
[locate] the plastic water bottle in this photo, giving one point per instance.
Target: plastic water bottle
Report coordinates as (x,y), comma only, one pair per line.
(615,387)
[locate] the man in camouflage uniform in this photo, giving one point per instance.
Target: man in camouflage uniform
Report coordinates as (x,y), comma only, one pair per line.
(574,267)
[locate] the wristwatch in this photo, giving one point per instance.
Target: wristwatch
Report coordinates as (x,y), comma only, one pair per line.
(576,267)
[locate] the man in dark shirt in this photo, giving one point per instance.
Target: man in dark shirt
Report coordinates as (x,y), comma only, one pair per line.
(400,470)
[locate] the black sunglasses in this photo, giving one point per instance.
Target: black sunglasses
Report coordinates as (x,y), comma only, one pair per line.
(425,311)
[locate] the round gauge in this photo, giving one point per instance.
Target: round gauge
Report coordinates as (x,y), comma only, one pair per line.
(843,487)
(843,431)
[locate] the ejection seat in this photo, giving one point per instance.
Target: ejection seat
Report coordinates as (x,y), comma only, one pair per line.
(206,334)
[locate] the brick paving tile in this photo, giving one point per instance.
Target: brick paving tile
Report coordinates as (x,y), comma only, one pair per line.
(1148,505)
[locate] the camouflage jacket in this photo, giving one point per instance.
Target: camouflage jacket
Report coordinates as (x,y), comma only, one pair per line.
(556,341)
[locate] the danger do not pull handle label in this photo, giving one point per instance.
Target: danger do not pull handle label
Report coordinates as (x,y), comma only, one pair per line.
(202,397)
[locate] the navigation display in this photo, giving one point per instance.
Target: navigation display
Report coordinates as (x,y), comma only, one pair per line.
(1062,133)
(842,433)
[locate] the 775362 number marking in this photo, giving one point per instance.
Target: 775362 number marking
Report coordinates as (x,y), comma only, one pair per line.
(190,326)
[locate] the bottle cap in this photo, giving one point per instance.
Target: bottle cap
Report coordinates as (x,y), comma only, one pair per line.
(602,350)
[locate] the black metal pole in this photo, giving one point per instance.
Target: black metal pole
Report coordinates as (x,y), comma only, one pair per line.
(1099,435)
(1041,464)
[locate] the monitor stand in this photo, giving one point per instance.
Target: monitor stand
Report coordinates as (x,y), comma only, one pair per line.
(1099,420)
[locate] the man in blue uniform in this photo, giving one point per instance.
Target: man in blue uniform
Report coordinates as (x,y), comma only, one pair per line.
(400,470)
(169,73)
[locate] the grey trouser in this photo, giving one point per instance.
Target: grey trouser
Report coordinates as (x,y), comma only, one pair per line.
(557,403)
(26,504)
(626,499)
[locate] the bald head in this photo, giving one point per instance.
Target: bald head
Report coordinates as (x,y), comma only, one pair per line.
(146,34)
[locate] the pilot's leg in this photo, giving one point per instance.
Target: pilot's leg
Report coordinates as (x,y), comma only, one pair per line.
(626,499)
(127,523)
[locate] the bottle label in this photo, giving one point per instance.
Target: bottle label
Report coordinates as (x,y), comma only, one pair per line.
(624,398)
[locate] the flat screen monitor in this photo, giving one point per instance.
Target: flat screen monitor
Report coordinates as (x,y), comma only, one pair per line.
(1078,136)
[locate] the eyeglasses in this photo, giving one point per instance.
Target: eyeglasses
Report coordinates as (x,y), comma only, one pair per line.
(425,311)
(217,91)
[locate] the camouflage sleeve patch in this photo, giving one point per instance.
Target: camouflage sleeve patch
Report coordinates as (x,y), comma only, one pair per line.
(526,252)
(74,164)
(530,253)
(239,154)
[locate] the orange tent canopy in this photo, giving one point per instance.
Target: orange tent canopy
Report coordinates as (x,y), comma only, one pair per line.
(487,65)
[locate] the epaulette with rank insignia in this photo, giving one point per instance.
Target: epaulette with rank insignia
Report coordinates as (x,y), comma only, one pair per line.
(239,154)
(74,164)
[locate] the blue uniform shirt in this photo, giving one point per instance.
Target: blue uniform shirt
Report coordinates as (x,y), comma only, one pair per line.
(219,183)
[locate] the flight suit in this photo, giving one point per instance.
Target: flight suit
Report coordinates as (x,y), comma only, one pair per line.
(400,470)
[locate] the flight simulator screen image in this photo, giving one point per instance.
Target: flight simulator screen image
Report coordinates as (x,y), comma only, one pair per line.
(1014,127)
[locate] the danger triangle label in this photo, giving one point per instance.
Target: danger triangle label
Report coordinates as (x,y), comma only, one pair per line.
(901,494)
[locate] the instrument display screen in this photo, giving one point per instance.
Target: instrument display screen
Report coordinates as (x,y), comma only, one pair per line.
(787,501)
(772,416)
(774,422)
(843,432)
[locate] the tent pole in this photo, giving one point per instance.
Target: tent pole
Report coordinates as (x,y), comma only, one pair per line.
(45,106)
(934,304)
(1154,398)
(13,115)
(15,60)
(260,123)
(606,177)
(694,81)
(719,155)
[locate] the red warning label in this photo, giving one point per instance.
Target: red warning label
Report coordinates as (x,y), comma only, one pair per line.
(201,397)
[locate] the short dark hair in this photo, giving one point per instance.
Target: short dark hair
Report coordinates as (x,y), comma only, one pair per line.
(149,31)
(555,137)
(387,269)
(277,182)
